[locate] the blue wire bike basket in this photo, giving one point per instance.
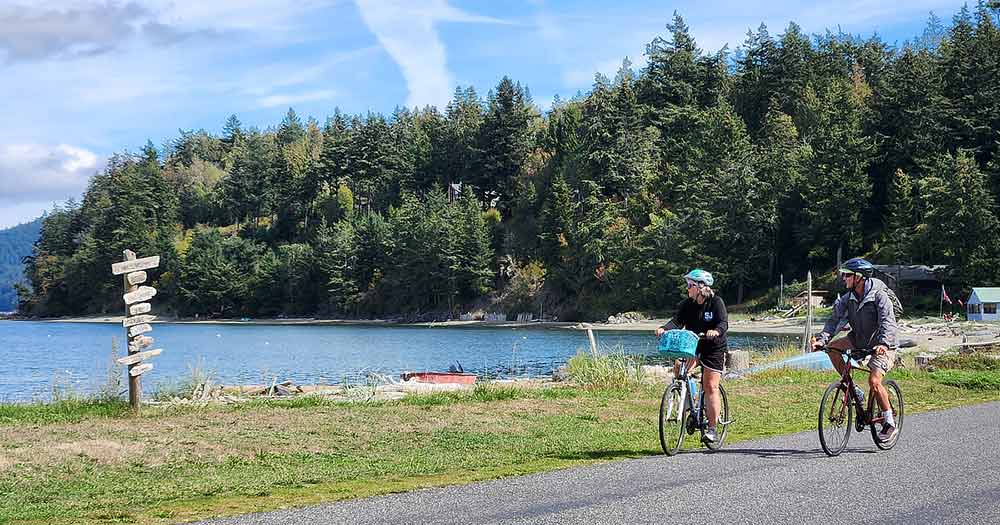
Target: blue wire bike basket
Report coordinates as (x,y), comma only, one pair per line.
(678,344)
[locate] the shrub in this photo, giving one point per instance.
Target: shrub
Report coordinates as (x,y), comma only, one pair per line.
(612,370)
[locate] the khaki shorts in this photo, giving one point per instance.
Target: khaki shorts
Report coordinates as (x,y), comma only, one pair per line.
(883,362)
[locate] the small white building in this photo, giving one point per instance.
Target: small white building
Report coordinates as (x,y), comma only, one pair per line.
(982,305)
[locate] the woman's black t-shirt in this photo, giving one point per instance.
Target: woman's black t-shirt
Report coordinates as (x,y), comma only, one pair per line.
(700,318)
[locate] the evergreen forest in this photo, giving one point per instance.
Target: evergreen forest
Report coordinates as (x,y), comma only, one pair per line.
(772,158)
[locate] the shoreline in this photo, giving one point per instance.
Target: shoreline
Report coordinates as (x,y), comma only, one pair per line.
(779,327)
(933,339)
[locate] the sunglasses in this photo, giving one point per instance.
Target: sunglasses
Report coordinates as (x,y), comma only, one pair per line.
(691,285)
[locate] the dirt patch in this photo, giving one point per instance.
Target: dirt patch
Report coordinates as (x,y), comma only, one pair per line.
(6,463)
(101,451)
(216,434)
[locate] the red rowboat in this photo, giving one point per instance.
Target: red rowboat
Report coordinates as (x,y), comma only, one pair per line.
(440,377)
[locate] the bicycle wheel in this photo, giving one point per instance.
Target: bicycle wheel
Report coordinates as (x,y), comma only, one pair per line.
(723,425)
(673,419)
(835,418)
(896,402)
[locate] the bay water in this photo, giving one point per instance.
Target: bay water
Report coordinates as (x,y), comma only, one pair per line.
(43,360)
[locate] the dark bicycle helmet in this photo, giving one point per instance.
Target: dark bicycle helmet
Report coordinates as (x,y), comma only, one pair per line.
(858,266)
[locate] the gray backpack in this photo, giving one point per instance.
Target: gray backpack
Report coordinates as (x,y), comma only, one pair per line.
(897,307)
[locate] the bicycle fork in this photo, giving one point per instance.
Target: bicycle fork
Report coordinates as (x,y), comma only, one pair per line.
(676,411)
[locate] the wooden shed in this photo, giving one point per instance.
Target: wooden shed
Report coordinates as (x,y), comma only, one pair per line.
(816,299)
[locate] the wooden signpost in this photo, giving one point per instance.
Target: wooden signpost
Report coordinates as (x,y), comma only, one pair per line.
(133,264)
(139,319)
(135,357)
(138,294)
(136,322)
(139,308)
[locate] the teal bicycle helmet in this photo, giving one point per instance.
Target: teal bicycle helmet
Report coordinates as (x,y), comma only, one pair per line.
(700,276)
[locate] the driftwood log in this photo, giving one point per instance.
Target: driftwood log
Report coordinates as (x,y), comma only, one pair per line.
(285,388)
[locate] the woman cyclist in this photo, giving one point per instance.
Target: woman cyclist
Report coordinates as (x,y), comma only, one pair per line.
(703,312)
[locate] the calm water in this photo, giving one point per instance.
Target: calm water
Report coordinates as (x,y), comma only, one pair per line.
(36,358)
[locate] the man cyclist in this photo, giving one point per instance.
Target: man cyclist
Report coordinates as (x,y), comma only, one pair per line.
(703,312)
(868,309)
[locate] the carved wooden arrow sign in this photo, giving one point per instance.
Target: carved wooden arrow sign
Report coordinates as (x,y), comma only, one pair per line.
(139,343)
(145,263)
(139,319)
(139,329)
(139,356)
(136,277)
(139,308)
(140,369)
(144,293)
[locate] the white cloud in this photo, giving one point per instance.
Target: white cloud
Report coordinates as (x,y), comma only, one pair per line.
(290,99)
(71,30)
(22,212)
(44,173)
(265,79)
(251,16)
(405,28)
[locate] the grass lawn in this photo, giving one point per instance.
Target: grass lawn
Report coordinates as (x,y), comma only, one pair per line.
(77,462)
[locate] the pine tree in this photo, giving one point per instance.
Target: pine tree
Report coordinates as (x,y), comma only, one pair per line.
(838,187)
(505,139)
(336,256)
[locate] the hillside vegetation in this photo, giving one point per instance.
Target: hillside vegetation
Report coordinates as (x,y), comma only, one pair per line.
(770,159)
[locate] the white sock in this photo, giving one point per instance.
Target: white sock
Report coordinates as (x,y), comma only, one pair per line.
(889,420)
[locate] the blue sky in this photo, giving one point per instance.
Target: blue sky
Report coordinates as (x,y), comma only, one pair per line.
(82,79)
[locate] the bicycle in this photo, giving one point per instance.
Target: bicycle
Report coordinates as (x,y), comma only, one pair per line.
(841,403)
(677,404)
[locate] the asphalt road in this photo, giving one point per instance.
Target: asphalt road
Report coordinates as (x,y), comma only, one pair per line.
(945,469)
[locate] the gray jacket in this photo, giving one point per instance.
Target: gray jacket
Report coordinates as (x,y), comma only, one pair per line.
(872,320)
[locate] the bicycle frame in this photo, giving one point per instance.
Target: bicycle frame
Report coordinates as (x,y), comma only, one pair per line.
(682,410)
(851,396)
(688,394)
(836,409)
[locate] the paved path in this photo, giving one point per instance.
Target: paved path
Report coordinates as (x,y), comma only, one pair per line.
(945,469)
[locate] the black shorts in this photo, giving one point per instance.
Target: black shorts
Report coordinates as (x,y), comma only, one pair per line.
(714,360)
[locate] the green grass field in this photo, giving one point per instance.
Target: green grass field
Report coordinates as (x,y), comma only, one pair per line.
(86,462)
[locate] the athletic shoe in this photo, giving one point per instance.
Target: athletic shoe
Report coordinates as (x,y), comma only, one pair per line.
(710,435)
(888,433)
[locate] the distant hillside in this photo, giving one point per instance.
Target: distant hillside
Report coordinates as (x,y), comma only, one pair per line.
(15,243)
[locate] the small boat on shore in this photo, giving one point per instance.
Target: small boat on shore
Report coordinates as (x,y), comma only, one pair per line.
(461,378)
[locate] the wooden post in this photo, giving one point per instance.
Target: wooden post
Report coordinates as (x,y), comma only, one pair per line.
(136,320)
(738,360)
(781,291)
(134,381)
(809,313)
(941,302)
(593,342)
